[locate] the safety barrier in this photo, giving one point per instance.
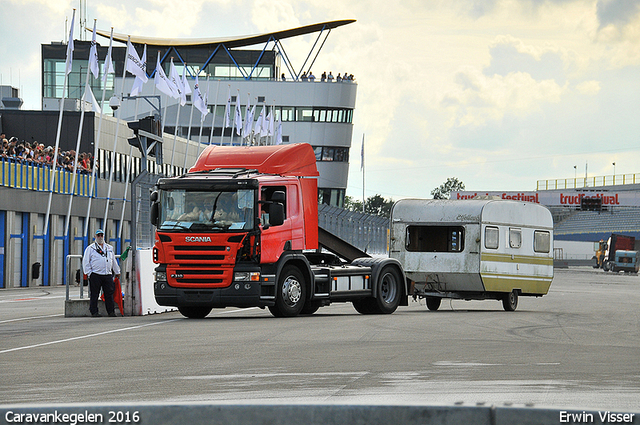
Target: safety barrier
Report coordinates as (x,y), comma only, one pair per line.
(201,413)
(18,175)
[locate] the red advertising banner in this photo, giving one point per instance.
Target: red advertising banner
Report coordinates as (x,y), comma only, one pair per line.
(559,198)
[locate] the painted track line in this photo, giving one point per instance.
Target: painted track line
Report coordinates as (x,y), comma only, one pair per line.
(29,318)
(75,338)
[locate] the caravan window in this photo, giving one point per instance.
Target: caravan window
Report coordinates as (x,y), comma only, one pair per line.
(435,238)
(515,238)
(491,237)
(541,241)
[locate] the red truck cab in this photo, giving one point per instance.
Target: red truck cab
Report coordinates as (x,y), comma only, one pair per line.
(237,229)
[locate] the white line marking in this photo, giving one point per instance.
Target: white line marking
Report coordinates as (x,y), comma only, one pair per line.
(29,318)
(100,333)
(85,336)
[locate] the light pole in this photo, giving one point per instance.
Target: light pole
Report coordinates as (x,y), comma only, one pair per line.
(614,173)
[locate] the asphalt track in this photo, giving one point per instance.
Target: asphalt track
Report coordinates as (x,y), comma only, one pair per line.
(577,347)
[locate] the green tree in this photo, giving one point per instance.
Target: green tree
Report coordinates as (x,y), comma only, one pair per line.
(375,205)
(451,185)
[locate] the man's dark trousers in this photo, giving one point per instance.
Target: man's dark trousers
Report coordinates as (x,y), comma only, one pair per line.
(104,281)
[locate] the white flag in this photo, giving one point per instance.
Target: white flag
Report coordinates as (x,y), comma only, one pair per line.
(271,122)
(266,124)
(135,65)
(93,54)
(279,132)
(108,62)
(136,89)
(70,45)
(89,97)
(199,101)
(163,83)
(237,118)
(227,110)
(174,77)
(185,82)
(258,127)
(139,82)
(248,119)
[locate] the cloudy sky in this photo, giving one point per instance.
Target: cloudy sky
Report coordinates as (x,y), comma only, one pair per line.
(498,93)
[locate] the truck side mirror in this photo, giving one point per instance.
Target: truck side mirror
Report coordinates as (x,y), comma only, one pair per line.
(154,196)
(276,214)
(154,214)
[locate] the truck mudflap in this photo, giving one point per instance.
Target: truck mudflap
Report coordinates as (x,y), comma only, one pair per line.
(377,265)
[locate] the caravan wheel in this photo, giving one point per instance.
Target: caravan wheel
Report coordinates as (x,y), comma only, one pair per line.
(433,303)
(510,301)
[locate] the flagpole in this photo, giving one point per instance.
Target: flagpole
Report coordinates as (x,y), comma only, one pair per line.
(186,151)
(128,174)
(115,141)
(227,113)
(52,173)
(362,158)
(215,108)
(75,164)
(202,122)
(97,142)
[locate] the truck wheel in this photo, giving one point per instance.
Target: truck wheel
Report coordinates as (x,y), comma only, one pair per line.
(365,306)
(310,307)
(510,301)
(290,293)
(389,291)
(195,312)
(433,303)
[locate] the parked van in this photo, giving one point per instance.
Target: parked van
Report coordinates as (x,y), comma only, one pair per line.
(473,249)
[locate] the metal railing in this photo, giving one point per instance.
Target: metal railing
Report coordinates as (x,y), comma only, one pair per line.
(586,182)
(18,175)
(364,231)
(68,277)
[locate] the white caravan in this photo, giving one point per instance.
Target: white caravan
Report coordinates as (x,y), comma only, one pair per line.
(473,249)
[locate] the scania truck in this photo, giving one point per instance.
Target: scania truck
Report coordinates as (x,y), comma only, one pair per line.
(240,229)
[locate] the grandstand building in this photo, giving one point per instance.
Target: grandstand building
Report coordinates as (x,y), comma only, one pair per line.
(316,112)
(583,209)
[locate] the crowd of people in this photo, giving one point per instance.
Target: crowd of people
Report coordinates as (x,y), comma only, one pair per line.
(324,77)
(35,153)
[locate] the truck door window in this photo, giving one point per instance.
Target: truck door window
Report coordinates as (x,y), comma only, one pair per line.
(515,238)
(491,237)
(265,195)
(541,241)
(435,239)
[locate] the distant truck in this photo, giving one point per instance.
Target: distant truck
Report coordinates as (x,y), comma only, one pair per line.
(473,249)
(617,254)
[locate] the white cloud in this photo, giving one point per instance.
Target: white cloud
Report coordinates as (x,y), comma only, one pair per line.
(588,87)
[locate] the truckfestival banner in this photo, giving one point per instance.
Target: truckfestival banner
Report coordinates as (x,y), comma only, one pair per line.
(561,198)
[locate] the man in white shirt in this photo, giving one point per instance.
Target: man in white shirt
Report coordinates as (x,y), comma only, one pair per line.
(99,263)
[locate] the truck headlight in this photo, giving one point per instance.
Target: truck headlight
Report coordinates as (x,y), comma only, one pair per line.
(246,276)
(161,276)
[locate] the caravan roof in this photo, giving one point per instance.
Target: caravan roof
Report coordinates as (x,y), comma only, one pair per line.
(471,211)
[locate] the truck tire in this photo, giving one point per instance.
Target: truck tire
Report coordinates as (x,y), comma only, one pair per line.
(365,306)
(389,290)
(433,303)
(291,293)
(310,307)
(194,312)
(510,301)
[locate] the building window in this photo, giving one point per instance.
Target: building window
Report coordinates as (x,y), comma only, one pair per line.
(333,197)
(331,153)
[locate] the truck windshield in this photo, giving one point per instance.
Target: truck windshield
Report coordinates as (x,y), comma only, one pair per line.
(197,211)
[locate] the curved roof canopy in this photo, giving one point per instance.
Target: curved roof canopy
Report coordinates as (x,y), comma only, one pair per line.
(230,42)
